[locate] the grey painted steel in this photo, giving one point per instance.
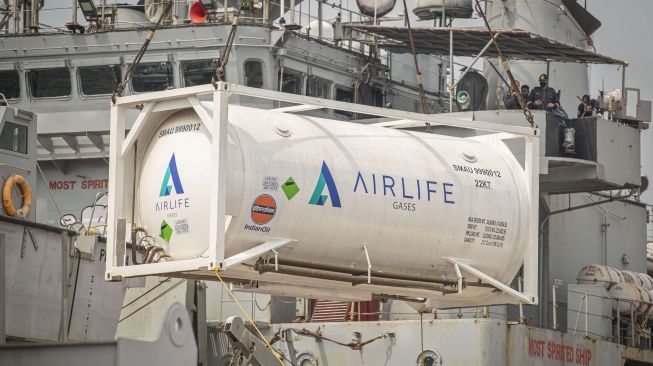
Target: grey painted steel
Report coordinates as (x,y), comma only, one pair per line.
(545,18)
(248,343)
(470,342)
(53,293)
(175,346)
(17,162)
(610,161)
(599,313)
(34,283)
(97,303)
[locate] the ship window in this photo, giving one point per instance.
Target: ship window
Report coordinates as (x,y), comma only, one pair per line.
(254,73)
(198,72)
(344,95)
(49,83)
(292,82)
(155,76)
(10,84)
(14,138)
(98,80)
(318,87)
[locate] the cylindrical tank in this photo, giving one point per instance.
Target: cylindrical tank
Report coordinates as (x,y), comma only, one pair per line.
(647,281)
(411,198)
(632,278)
(429,9)
(599,275)
(628,294)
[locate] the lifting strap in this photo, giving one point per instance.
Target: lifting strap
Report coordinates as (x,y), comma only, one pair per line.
(224,57)
(506,66)
(150,35)
(418,74)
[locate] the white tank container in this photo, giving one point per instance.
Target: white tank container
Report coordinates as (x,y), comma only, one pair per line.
(635,278)
(411,198)
(632,278)
(596,274)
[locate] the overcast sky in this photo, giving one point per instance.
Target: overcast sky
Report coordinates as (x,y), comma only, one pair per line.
(625,34)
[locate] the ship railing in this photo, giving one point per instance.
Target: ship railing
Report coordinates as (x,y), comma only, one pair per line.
(631,327)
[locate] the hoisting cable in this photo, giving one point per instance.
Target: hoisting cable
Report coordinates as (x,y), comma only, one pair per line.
(153,300)
(421,336)
(150,35)
(418,74)
(356,346)
(276,353)
(506,66)
(146,292)
(224,57)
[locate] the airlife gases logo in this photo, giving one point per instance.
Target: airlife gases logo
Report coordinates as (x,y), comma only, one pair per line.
(325,180)
(171,174)
(171,183)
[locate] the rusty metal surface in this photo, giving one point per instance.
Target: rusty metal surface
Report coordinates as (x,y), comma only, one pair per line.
(515,44)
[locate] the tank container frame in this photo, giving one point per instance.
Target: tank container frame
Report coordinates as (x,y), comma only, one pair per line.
(158,105)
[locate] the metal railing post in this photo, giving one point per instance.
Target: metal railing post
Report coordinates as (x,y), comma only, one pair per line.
(618,323)
(521,305)
(586,314)
(555,307)
(632,324)
(580,308)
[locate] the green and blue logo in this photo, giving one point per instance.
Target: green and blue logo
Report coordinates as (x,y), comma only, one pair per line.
(326,179)
(171,174)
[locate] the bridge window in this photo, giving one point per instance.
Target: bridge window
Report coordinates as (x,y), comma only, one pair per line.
(49,83)
(155,76)
(254,73)
(14,138)
(99,80)
(344,95)
(318,87)
(292,81)
(10,84)
(198,72)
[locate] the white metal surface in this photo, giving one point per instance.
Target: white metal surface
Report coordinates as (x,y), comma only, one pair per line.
(361,196)
(600,275)
(469,342)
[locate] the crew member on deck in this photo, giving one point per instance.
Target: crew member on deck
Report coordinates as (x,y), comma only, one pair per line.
(587,107)
(543,96)
(512,102)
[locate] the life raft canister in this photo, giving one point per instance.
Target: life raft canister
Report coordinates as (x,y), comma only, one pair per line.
(16,180)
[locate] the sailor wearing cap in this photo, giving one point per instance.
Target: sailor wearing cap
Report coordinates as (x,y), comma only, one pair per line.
(543,96)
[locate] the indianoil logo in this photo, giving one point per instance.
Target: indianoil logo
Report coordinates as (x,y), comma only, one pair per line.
(263,209)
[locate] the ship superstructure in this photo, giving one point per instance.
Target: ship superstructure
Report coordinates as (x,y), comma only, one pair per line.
(590,212)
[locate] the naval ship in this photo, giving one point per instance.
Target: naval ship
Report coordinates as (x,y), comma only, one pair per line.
(81,284)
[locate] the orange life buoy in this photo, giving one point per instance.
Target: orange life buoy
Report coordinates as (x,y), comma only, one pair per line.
(26,195)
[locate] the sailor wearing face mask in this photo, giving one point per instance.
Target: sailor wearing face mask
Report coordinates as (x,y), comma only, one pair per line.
(543,96)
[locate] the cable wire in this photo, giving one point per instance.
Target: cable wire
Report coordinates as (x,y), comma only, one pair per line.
(276,353)
(150,35)
(146,292)
(153,300)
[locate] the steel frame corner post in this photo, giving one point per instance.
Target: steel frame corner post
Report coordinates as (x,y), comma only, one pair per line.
(532,169)
(116,188)
(218,192)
